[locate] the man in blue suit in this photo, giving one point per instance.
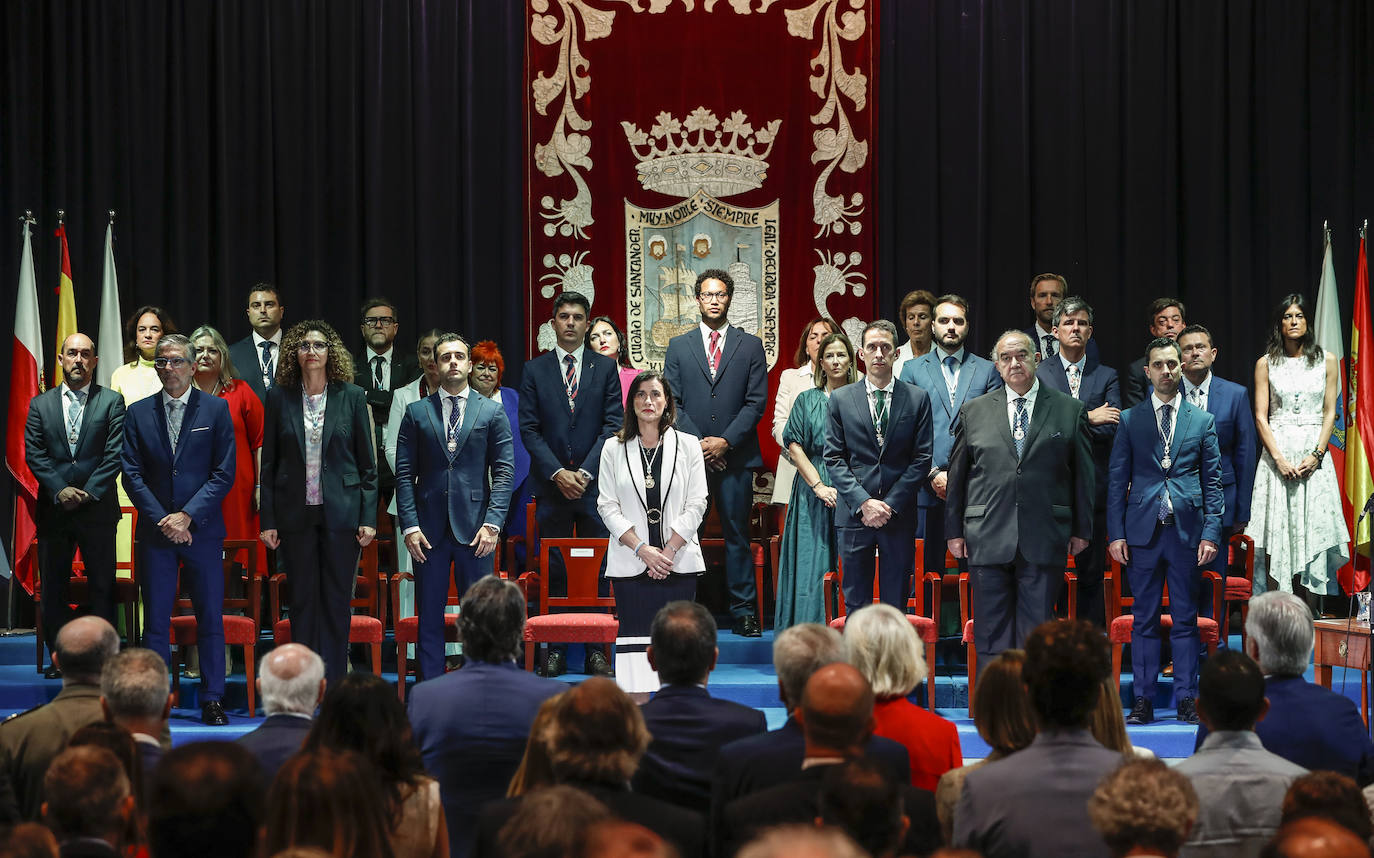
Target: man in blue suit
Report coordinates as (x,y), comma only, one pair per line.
(471,725)
(1046,291)
(450,515)
(569,405)
(719,377)
(291,687)
(1164,509)
(178,463)
(877,448)
(951,375)
(1076,371)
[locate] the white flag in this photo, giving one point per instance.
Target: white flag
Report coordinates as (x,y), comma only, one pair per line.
(1326,324)
(109,338)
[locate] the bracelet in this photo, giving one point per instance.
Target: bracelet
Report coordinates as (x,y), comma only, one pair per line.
(639,546)
(1318,454)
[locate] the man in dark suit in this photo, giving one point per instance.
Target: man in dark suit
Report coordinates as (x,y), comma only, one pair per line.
(688,725)
(1075,371)
(1164,508)
(1166,320)
(569,405)
(1046,291)
(952,376)
(1306,724)
(72,439)
(471,725)
(836,717)
(448,444)
(719,377)
(134,695)
(178,463)
(256,355)
(380,369)
(877,448)
(1021,484)
(291,686)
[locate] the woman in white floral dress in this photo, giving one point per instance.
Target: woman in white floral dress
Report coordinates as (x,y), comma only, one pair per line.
(1296,519)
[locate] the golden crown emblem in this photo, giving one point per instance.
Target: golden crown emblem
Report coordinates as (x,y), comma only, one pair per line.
(701,152)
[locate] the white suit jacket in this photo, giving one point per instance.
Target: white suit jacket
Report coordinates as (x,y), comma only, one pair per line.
(621,500)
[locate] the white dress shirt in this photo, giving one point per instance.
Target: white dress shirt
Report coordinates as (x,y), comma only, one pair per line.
(1200,398)
(1157,404)
(386,357)
(706,337)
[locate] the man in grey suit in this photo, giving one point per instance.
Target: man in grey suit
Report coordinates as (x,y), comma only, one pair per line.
(877,449)
(1034,803)
(1020,496)
(952,376)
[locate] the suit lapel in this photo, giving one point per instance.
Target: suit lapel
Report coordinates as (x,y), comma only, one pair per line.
(896,410)
(475,402)
(587,378)
(188,421)
(966,371)
(1181,428)
(331,415)
(703,360)
(160,412)
(1040,416)
(1003,425)
(936,378)
(1058,378)
(435,407)
(731,345)
(295,417)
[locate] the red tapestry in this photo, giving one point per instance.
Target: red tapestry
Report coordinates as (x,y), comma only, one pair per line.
(665,137)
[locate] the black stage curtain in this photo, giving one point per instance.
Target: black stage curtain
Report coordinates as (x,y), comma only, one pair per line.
(1139,147)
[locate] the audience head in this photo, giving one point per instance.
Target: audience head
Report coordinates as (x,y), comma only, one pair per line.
(1108,722)
(830,348)
(1314,837)
(650,394)
(809,347)
(492,625)
(596,734)
(87,794)
(1328,795)
(571,310)
(1046,292)
(1066,662)
(836,712)
(265,309)
(1001,709)
(1231,692)
(605,337)
(1166,318)
(915,313)
(550,823)
(801,841)
(1144,805)
(205,800)
(885,648)
(379,324)
(142,331)
(291,680)
(211,354)
(1292,323)
(120,742)
(616,838)
(487,367)
(84,645)
(335,360)
(326,799)
(1279,629)
(134,691)
(859,799)
(28,840)
(801,650)
(535,769)
(682,643)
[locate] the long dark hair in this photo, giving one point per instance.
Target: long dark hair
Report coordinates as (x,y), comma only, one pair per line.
(1311,349)
(629,429)
(622,356)
(131,353)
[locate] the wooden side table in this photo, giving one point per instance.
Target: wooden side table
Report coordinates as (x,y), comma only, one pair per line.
(1343,643)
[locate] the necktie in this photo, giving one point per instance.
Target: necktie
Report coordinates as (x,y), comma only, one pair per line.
(174,421)
(455,418)
(377,371)
(880,414)
(715,352)
(1049,351)
(268,370)
(570,378)
(1166,435)
(1018,429)
(1075,379)
(76,397)
(952,378)
(1195,397)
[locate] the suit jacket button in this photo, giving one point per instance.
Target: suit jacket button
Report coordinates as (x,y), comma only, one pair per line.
(174,472)
(1018,470)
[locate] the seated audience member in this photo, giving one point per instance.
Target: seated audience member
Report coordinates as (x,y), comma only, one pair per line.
(205,800)
(1306,724)
(1240,785)
(1002,714)
(1330,796)
(118,741)
(28,840)
(1108,724)
(326,799)
(885,648)
(471,725)
(1314,837)
(836,716)
(616,838)
(362,713)
(802,841)
(291,685)
(30,741)
(88,803)
(860,800)
(758,762)
(1034,803)
(134,694)
(535,770)
(550,823)
(1143,808)
(687,724)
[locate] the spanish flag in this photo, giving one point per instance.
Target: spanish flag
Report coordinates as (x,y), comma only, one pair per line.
(1359,437)
(66,304)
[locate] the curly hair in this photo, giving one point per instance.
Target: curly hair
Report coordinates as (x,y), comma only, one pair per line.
(338,367)
(596,734)
(1144,803)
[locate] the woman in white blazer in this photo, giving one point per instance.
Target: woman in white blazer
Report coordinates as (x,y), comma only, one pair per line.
(652,498)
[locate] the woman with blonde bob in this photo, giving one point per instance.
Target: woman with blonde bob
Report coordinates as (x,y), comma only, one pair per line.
(884,647)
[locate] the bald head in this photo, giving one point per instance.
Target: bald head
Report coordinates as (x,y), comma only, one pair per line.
(836,711)
(78,359)
(1315,837)
(291,680)
(83,647)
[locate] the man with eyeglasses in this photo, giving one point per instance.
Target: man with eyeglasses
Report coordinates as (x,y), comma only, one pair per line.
(256,355)
(178,462)
(378,369)
(719,377)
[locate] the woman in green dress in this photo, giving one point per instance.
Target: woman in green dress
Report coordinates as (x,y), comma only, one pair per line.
(808,534)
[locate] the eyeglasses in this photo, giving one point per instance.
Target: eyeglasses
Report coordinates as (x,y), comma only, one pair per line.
(713,297)
(314,346)
(379,321)
(174,363)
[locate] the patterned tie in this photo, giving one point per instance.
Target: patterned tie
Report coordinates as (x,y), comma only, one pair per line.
(377,371)
(715,352)
(1166,435)
(174,422)
(1018,431)
(1049,351)
(1075,379)
(952,378)
(74,417)
(268,370)
(880,415)
(570,379)
(455,418)
(1195,397)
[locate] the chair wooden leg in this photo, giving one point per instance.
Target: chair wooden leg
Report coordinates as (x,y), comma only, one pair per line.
(250,673)
(1116,666)
(402,669)
(529,656)
(972,671)
(930,676)
(376,650)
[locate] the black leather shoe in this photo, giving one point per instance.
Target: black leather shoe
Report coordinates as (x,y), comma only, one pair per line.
(1187,710)
(52,672)
(596,664)
(556,664)
(747,626)
(212,713)
(1143,712)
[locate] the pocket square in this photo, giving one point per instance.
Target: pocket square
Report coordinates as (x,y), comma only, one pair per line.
(201,429)
(1057,435)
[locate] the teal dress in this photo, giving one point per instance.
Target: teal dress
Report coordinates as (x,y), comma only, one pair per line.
(808,535)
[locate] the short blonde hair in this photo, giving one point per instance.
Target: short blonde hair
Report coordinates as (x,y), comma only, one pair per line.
(885,648)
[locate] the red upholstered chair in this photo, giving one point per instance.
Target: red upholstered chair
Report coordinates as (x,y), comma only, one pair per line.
(364,628)
(530,540)
(582,558)
(408,628)
(1240,551)
(1120,624)
(239,629)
